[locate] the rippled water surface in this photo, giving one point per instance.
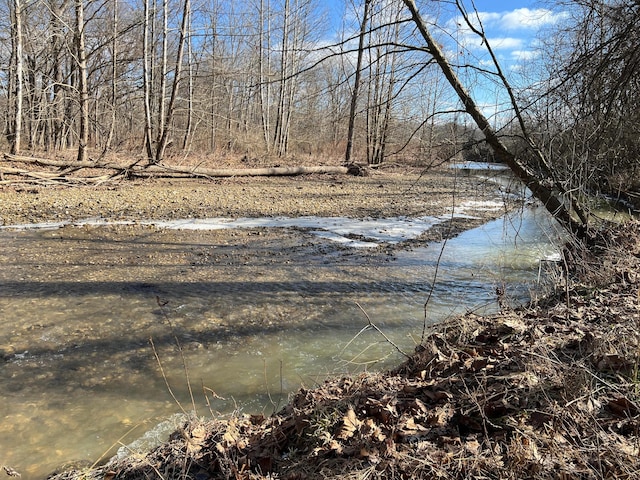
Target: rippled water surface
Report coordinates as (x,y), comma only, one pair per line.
(256,312)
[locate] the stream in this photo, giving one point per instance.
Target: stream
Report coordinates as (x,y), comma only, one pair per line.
(108,330)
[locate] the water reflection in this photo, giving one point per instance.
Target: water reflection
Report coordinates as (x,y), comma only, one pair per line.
(256,312)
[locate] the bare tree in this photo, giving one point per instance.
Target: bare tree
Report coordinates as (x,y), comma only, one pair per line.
(590,109)
(356,82)
(16,57)
(114,77)
(382,78)
(147,80)
(542,188)
(264,71)
(83,91)
(177,79)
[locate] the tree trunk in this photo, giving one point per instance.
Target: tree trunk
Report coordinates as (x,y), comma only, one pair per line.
(16,130)
(188,131)
(279,139)
(264,84)
(356,83)
(146,72)
(83,133)
(114,77)
(164,66)
(56,105)
(540,190)
(177,73)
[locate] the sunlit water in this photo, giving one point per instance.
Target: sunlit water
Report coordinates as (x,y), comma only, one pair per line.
(254,319)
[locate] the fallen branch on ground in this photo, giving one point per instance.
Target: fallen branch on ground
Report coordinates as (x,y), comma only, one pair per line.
(160,170)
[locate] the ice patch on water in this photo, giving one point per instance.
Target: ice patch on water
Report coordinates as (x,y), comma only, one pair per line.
(480,205)
(479,166)
(369,231)
(352,232)
(347,242)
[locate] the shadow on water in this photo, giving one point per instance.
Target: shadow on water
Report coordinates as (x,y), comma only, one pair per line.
(256,312)
(29,290)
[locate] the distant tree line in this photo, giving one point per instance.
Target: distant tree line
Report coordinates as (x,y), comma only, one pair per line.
(279,78)
(256,78)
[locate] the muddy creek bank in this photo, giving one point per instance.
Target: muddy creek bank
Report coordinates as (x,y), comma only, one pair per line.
(255,310)
(379,195)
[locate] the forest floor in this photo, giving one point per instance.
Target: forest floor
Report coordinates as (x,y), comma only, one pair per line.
(549,390)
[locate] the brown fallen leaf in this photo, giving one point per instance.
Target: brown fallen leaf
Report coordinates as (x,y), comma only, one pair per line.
(370,428)
(538,419)
(472,446)
(411,427)
(622,407)
(614,363)
(440,416)
(335,446)
(232,433)
(350,425)
(196,439)
(372,456)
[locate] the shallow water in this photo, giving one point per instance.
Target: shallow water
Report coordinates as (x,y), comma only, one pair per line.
(255,311)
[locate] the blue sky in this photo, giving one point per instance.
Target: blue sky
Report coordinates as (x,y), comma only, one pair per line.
(511,26)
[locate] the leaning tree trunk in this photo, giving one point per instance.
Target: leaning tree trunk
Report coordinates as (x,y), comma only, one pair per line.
(538,187)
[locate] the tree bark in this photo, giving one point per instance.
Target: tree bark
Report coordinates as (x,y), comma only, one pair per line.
(146,72)
(177,73)
(356,83)
(16,134)
(114,77)
(540,190)
(83,133)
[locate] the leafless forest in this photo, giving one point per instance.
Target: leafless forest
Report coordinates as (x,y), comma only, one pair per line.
(255,78)
(271,79)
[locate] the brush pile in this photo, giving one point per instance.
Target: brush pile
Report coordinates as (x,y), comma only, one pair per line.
(545,391)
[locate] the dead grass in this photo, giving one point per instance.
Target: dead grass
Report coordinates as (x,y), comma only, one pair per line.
(543,392)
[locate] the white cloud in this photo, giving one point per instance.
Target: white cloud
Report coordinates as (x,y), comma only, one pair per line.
(511,20)
(524,54)
(511,32)
(529,19)
(505,43)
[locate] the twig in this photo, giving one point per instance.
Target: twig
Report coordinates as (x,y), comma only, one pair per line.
(164,376)
(162,304)
(266,384)
(375,327)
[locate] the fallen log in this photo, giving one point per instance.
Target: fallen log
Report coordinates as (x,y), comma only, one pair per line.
(255,172)
(160,169)
(61,163)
